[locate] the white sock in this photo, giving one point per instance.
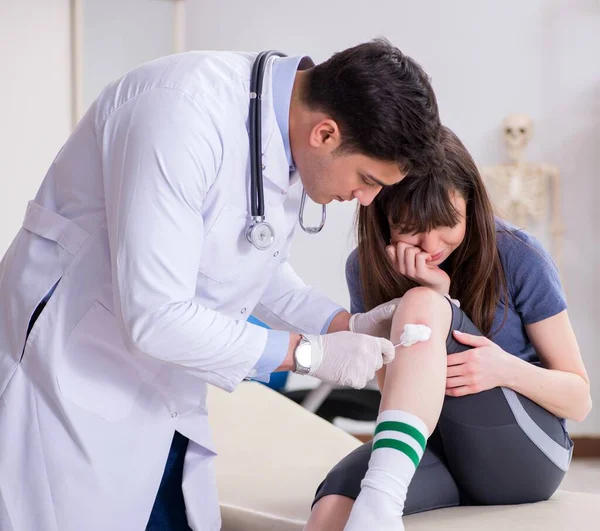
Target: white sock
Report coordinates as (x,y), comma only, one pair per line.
(398,446)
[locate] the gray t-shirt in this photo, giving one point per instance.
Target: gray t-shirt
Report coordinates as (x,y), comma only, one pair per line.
(534,288)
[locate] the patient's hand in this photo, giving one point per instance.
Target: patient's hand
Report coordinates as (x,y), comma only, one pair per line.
(412,262)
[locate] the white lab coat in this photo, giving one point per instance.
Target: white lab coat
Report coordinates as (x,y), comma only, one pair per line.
(142,218)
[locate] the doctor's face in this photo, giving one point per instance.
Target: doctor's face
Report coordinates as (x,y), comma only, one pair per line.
(330,175)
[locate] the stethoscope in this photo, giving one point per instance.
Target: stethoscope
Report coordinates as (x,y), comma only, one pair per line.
(261,233)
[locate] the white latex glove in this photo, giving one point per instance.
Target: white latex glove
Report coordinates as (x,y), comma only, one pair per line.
(377,322)
(346,358)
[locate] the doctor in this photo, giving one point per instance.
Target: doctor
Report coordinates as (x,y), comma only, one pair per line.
(128,287)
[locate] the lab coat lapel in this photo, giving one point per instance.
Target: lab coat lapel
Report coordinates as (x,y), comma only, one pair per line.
(274,161)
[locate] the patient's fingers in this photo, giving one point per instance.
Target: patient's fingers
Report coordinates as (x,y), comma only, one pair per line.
(421,264)
(391,252)
(410,261)
(458,381)
(470,339)
(457,359)
(401,258)
(455,370)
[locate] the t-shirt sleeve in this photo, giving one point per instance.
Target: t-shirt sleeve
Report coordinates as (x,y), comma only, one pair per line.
(533,279)
(353,280)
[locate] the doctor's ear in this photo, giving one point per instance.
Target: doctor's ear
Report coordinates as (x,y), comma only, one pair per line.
(326,132)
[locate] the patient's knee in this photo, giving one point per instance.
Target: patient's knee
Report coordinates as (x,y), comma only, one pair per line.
(422,306)
(422,300)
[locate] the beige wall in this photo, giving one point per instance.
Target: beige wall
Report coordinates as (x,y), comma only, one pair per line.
(487,59)
(114,41)
(35,92)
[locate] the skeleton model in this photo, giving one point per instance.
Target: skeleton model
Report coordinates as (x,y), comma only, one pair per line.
(525,193)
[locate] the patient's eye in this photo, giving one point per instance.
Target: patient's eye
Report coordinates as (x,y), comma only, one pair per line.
(368,182)
(406,230)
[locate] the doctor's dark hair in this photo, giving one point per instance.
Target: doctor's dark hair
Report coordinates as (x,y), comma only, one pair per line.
(419,204)
(383,103)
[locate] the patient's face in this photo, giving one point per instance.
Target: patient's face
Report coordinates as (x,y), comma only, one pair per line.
(440,242)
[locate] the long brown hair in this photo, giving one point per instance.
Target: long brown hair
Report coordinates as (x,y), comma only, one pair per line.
(421,203)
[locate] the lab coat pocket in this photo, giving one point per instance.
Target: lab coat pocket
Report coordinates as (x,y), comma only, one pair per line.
(98,373)
(226,252)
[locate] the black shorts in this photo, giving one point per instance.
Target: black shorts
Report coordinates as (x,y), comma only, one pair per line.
(490,448)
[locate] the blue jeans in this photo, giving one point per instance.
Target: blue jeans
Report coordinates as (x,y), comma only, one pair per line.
(168,512)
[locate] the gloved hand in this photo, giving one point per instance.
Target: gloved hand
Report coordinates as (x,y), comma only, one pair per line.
(346,358)
(377,322)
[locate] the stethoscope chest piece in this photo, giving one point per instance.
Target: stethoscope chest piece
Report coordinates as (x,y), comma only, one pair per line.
(261,234)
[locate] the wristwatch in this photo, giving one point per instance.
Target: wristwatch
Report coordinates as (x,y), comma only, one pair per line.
(303,356)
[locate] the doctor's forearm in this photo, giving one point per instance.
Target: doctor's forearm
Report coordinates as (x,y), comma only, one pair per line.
(340,323)
(288,361)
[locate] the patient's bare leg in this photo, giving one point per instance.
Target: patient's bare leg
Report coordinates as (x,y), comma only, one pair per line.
(331,513)
(415,381)
(412,398)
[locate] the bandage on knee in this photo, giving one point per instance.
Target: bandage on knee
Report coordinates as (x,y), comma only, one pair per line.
(414,333)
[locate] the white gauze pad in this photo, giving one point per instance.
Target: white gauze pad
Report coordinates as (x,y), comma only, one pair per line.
(414,334)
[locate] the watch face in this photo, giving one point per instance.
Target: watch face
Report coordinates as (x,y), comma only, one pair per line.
(303,355)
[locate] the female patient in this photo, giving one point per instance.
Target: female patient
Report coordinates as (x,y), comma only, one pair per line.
(476,412)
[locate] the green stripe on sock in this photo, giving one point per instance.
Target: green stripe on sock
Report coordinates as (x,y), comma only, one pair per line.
(406,449)
(403,428)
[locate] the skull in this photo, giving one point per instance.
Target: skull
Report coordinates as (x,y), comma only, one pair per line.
(517,131)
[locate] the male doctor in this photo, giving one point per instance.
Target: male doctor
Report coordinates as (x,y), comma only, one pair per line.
(128,287)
